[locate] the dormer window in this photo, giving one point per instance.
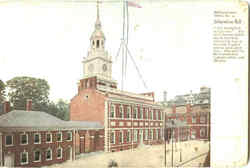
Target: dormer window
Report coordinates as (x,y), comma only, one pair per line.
(97,43)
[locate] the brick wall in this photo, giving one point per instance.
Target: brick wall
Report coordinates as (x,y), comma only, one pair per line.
(17,148)
(88,105)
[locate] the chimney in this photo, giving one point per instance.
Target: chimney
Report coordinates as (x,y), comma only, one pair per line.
(165,96)
(6,107)
(28,105)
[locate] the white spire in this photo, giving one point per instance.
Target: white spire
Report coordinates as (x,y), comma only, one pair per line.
(98,22)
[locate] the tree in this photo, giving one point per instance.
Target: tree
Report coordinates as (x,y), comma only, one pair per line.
(23,88)
(59,109)
(2,91)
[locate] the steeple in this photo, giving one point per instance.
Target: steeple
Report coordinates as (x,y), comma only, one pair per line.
(98,22)
(97,38)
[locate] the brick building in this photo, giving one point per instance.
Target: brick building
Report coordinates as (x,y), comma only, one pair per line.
(129,119)
(34,138)
(194,118)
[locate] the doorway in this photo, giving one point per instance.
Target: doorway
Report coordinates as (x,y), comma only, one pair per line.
(9,160)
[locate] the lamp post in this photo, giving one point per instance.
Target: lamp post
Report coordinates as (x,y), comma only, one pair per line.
(172,134)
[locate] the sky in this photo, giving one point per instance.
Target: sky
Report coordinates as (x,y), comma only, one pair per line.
(170,42)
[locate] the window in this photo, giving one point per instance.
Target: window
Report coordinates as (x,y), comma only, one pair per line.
(112,137)
(146,113)
(24,139)
(24,158)
(59,153)
(97,43)
(156,115)
(156,134)
(128,112)
(202,132)
(121,137)
(152,134)
(135,112)
(48,137)
(93,42)
(128,136)
(160,115)
(69,136)
(135,135)
(48,154)
(121,112)
(141,113)
(37,156)
(59,136)
(9,140)
(193,134)
(37,138)
(146,134)
(112,111)
(193,119)
(202,119)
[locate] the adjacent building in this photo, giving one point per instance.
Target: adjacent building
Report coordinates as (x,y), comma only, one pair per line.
(33,138)
(191,113)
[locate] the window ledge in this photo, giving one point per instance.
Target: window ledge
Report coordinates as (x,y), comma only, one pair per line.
(37,160)
(24,163)
(24,144)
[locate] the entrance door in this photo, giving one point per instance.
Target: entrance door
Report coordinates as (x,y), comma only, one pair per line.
(82,145)
(9,160)
(69,153)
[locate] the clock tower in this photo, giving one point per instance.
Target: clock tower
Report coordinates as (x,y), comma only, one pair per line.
(98,62)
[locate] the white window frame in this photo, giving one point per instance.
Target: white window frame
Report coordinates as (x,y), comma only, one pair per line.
(61,153)
(146,134)
(156,134)
(128,136)
(121,110)
(204,132)
(50,137)
(135,110)
(193,119)
(135,137)
(57,136)
(193,133)
(202,119)
(39,135)
(121,136)
(151,134)
(112,110)
(128,112)
(113,137)
(152,114)
(70,136)
(27,139)
(51,154)
(141,113)
(40,155)
(12,143)
(27,156)
(146,113)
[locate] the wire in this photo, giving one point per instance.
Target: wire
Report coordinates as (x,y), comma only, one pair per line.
(136,68)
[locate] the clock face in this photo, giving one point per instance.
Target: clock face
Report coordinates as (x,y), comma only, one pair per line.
(91,68)
(104,67)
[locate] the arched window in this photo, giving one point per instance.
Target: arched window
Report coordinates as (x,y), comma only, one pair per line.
(48,154)
(97,43)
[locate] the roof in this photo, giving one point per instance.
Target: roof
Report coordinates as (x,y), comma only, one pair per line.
(20,119)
